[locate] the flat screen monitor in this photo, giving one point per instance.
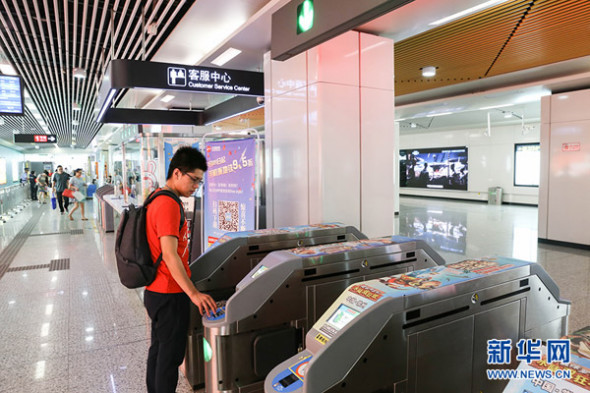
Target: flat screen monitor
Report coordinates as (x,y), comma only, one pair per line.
(436,168)
(342,316)
(11,95)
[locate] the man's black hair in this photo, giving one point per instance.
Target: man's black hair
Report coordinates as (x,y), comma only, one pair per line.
(187,159)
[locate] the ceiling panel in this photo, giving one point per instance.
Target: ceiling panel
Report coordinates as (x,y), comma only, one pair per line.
(552,31)
(46,40)
(509,37)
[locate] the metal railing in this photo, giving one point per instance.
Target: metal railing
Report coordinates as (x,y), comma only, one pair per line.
(13,200)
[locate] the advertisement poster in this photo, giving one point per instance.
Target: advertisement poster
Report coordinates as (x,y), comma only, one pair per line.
(230,188)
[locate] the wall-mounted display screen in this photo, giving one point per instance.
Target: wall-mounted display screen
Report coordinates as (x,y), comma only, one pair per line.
(11,95)
(439,168)
(527,164)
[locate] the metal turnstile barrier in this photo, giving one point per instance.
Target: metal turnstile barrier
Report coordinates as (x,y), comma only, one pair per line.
(275,305)
(103,212)
(227,262)
(425,332)
(13,199)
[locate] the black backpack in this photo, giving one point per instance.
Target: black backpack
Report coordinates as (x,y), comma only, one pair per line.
(134,259)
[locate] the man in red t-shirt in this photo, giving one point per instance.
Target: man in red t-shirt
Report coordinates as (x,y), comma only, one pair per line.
(168,298)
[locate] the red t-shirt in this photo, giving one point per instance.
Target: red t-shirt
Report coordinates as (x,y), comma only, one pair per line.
(163,219)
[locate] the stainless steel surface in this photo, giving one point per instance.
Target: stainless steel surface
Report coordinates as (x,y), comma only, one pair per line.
(292,294)
(419,344)
(219,270)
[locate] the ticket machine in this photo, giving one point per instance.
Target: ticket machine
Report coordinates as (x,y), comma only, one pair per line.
(425,331)
(220,269)
(276,304)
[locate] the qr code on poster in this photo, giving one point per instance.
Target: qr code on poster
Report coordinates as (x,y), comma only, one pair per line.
(229,217)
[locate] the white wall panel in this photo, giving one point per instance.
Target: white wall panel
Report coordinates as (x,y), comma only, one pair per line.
(545,158)
(569,193)
(571,106)
(376,62)
(335,61)
(289,158)
(289,75)
(334,159)
(377,162)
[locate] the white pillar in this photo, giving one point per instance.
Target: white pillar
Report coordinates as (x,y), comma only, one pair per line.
(330,135)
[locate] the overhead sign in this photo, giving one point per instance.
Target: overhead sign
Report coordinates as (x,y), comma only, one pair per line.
(303,24)
(35,138)
(131,74)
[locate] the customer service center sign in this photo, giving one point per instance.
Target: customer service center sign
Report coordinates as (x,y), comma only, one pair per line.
(230,181)
(215,80)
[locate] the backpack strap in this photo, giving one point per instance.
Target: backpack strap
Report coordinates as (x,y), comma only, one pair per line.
(172,195)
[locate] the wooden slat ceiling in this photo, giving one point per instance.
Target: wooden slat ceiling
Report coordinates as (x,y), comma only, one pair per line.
(513,36)
(45,41)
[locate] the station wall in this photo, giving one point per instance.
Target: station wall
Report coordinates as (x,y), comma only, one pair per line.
(490,160)
(12,158)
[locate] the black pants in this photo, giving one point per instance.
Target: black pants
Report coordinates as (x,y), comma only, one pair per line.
(34,192)
(170,317)
(62,201)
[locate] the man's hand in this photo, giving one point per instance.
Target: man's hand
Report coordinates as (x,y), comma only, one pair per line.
(204,303)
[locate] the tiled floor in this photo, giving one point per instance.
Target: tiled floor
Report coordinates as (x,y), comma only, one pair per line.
(80,330)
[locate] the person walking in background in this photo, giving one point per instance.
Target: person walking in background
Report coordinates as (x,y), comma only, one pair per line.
(33,184)
(60,183)
(78,184)
(42,186)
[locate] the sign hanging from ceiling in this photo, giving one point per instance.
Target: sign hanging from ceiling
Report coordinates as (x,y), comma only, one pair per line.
(35,138)
(167,76)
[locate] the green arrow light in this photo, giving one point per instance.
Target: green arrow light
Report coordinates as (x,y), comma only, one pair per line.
(207,351)
(304,16)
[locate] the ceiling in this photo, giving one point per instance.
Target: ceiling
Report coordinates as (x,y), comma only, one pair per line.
(518,42)
(46,41)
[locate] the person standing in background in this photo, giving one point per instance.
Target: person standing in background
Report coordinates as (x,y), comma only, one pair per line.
(32,183)
(59,184)
(24,177)
(77,183)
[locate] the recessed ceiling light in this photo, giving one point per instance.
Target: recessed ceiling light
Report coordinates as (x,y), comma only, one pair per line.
(76,106)
(75,122)
(7,69)
(466,12)
(167,98)
(440,114)
(226,56)
(563,97)
(428,71)
(483,108)
(79,73)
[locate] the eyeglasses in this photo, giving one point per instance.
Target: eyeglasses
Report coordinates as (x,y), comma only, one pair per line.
(196,180)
